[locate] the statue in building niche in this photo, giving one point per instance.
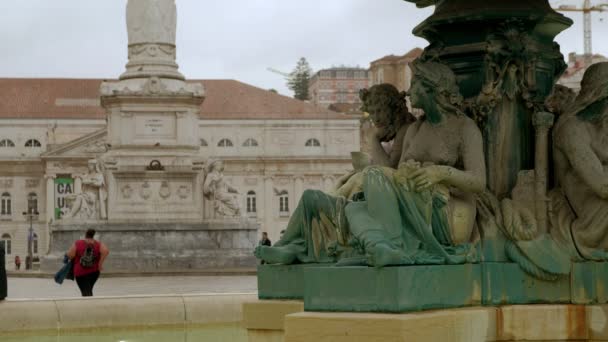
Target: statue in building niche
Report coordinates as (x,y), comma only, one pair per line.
(422,212)
(225,198)
(90,203)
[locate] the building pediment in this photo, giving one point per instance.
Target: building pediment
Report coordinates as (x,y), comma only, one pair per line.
(87,147)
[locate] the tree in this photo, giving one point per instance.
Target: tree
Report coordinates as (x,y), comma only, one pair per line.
(299,79)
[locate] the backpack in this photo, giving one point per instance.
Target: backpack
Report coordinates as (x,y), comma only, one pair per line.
(87,260)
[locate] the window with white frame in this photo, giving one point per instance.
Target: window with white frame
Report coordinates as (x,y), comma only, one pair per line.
(225,143)
(250,143)
(5,205)
(33,143)
(7,143)
(284,203)
(251,203)
(312,143)
(6,242)
(204,143)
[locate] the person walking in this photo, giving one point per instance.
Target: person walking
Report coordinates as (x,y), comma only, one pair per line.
(88,256)
(17,263)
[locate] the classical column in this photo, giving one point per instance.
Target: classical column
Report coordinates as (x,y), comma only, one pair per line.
(328,183)
(298,190)
(542,121)
(50,198)
(77,185)
(268,203)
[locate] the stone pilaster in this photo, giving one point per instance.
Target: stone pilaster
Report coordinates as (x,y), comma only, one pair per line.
(50,198)
(268,203)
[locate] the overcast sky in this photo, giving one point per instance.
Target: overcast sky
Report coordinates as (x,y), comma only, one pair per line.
(224,39)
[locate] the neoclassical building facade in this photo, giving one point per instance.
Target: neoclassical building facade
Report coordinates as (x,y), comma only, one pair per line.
(273,148)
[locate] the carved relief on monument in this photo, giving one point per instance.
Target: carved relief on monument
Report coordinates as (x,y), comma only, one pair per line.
(126,191)
(145,192)
(183,192)
(165,190)
(98,146)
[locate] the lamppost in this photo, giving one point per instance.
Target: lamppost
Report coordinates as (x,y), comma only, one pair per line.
(31,214)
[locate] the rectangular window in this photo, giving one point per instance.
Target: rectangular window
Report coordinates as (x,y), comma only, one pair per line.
(284,205)
(6,207)
(251,205)
(7,246)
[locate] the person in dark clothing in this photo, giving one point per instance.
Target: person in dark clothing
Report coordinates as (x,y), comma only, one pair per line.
(88,256)
(265,242)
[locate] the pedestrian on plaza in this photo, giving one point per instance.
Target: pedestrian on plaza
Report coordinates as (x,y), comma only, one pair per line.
(265,242)
(88,256)
(17,262)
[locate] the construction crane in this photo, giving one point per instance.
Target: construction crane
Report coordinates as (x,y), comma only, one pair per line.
(586,10)
(284,74)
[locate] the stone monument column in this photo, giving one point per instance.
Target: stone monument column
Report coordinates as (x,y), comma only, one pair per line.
(151,25)
(50,198)
(153,129)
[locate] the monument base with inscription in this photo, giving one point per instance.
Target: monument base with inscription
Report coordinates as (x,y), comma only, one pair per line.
(163,248)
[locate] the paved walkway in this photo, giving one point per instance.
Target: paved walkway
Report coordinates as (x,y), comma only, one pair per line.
(21,288)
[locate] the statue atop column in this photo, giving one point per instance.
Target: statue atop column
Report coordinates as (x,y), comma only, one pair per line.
(151,26)
(151,21)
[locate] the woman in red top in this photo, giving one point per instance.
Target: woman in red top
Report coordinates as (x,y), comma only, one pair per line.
(86,276)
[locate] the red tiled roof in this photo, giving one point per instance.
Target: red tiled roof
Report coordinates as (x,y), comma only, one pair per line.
(412,54)
(79,99)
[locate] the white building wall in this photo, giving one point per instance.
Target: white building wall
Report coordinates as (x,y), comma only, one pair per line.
(281,161)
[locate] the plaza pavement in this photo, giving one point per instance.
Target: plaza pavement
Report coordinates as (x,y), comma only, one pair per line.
(43,288)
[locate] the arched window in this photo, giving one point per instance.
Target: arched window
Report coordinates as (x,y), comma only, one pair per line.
(35,244)
(7,143)
(5,204)
(33,143)
(225,143)
(250,142)
(32,202)
(204,143)
(6,241)
(312,143)
(251,202)
(284,203)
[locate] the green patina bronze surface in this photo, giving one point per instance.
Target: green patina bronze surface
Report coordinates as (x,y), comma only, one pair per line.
(507,283)
(469,193)
(281,281)
(391,289)
(590,283)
